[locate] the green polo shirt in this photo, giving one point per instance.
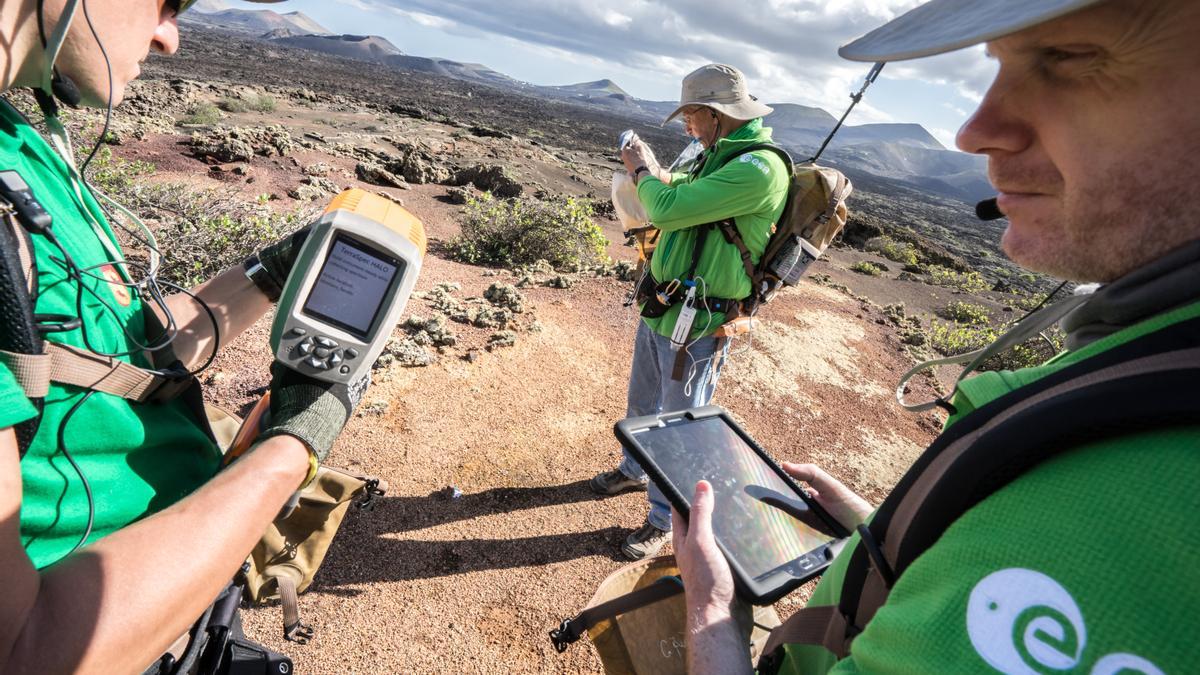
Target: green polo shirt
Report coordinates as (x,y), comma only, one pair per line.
(137,458)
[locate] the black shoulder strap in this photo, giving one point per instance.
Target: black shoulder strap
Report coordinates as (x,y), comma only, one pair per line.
(18,330)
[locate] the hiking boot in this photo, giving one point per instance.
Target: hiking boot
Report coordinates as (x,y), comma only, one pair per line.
(614,482)
(644,542)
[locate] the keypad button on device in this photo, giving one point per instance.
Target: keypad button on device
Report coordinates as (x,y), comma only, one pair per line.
(316,363)
(345,370)
(351,353)
(305,348)
(335,358)
(322,353)
(299,332)
(326,342)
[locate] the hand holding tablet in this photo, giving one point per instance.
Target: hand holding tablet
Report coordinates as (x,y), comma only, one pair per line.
(773,534)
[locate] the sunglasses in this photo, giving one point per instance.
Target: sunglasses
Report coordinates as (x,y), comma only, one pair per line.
(179,6)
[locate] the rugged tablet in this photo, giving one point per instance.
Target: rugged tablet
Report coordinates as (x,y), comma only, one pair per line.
(773,534)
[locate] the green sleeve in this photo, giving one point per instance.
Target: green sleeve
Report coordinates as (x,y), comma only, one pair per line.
(14,407)
(677,178)
(735,189)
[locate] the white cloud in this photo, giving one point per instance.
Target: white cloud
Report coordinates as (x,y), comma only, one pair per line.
(787,48)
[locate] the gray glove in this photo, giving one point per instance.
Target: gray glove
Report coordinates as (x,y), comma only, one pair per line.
(309,409)
(270,267)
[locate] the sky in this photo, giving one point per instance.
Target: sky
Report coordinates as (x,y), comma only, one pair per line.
(786,48)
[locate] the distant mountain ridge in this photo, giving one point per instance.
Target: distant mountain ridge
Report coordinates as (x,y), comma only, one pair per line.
(255,21)
(364,47)
(904,152)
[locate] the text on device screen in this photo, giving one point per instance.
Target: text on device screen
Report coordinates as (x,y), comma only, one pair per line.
(759,536)
(351,286)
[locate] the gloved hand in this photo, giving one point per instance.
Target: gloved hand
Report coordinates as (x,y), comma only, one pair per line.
(312,410)
(278,259)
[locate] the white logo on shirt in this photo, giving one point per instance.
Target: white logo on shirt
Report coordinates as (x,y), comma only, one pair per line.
(1023,622)
(762,166)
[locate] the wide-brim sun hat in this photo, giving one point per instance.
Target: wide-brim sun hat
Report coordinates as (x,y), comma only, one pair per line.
(722,88)
(942,26)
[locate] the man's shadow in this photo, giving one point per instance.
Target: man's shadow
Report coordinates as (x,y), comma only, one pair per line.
(364,550)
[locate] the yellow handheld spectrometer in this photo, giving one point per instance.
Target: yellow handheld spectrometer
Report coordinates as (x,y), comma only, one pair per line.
(348,288)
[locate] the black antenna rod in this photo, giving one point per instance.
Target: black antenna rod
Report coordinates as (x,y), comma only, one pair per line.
(855,98)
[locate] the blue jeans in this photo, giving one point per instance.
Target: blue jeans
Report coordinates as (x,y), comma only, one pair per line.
(652,391)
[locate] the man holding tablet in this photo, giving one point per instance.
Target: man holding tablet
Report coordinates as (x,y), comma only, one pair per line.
(1091,135)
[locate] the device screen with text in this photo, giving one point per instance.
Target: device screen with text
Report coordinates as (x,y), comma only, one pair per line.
(352,285)
(760,537)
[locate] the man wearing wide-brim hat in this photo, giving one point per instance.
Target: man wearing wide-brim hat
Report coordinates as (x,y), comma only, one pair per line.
(1078,564)
(732,180)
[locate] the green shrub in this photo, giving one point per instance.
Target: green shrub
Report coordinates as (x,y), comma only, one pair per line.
(263,103)
(967,282)
(966,313)
(1028,302)
(518,232)
(952,339)
(233,104)
(896,251)
(113,175)
(865,267)
(203,232)
(1033,352)
(201,113)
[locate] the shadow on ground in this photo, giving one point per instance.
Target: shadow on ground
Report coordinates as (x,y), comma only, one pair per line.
(368,550)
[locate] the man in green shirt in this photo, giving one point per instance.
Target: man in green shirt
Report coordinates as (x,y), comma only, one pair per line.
(116,528)
(730,181)
(1081,564)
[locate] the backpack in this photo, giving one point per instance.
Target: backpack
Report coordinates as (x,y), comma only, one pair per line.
(813,216)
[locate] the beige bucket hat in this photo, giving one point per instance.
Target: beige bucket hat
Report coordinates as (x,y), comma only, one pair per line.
(942,26)
(722,88)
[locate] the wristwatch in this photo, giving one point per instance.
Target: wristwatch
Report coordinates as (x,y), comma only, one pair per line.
(258,275)
(638,171)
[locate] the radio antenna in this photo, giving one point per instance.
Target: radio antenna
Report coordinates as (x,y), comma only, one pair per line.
(854,98)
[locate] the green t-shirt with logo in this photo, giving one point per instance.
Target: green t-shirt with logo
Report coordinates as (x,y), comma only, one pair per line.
(137,458)
(1086,564)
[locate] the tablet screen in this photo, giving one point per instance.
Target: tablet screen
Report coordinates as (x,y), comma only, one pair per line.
(760,537)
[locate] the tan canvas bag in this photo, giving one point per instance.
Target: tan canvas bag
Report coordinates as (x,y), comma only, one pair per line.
(650,640)
(284,562)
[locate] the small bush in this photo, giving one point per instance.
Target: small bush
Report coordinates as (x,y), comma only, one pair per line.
(519,232)
(967,282)
(264,103)
(896,251)
(201,113)
(967,313)
(112,175)
(233,104)
(1028,302)
(201,233)
(952,339)
(864,267)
